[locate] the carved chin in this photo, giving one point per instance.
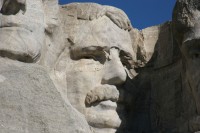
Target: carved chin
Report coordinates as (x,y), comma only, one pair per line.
(19,44)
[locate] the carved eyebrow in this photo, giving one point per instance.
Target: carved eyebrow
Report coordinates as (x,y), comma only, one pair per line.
(92,49)
(194,49)
(191,44)
(96,50)
(78,52)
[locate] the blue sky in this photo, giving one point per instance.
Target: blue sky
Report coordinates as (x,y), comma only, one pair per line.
(142,13)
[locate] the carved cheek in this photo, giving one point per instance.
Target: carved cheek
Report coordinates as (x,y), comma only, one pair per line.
(84,65)
(193,74)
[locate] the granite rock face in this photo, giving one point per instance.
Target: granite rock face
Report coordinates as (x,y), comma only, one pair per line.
(168,77)
(30,44)
(155,103)
(29,102)
(96,63)
(83,68)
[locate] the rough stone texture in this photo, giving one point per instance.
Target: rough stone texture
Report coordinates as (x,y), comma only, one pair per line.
(186,25)
(158,70)
(82,68)
(96,63)
(22,30)
(167,83)
(29,102)
(163,102)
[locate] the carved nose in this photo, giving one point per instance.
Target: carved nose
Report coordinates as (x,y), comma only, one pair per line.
(12,7)
(114,73)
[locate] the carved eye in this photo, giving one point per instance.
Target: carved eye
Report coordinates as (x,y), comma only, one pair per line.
(195,55)
(89,57)
(88,53)
(127,64)
(126,59)
(98,57)
(191,49)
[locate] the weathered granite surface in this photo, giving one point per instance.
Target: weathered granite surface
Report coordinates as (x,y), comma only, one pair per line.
(30,43)
(29,102)
(83,68)
(168,81)
(96,63)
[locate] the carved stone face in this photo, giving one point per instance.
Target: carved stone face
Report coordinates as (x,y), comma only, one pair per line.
(191,52)
(22,26)
(97,67)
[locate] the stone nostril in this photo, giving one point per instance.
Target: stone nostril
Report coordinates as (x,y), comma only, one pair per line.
(12,7)
(114,72)
(113,81)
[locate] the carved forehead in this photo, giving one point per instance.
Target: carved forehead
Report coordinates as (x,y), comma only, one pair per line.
(84,30)
(50,1)
(51,4)
(51,9)
(100,32)
(185,19)
(91,11)
(186,11)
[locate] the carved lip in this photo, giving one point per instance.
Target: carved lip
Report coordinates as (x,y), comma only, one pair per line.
(104,105)
(107,105)
(106,111)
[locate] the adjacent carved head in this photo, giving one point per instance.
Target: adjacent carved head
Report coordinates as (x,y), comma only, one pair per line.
(186,28)
(22,27)
(98,62)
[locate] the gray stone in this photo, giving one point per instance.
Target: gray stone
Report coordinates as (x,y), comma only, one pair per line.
(95,63)
(29,102)
(83,68)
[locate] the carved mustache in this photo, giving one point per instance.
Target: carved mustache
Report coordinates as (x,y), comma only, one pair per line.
(102,93)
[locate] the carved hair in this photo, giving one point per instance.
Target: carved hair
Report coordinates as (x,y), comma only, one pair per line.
(91,11)
(186,14)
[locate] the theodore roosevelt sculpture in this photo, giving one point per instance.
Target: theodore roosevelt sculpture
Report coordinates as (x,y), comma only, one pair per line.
(99,56)
(89,55)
